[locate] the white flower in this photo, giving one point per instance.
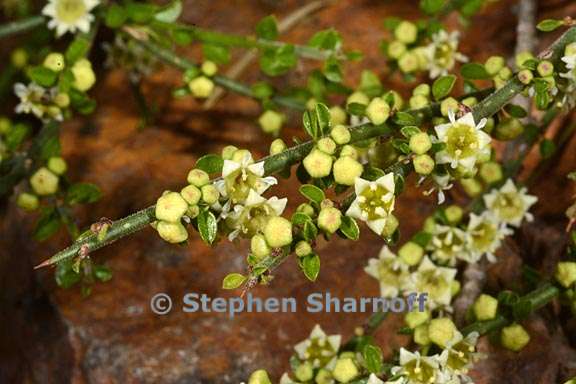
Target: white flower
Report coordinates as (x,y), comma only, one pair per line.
(510,204)
(465,141)
(31,98)
(442,53)
(285,379)
(418,369)
(389,270)
(485,234)
(318,348)
(70,15)
(569,90)
(442,183)
(459,356)
(373,379)
(434,280)
(447,244)
(374,201)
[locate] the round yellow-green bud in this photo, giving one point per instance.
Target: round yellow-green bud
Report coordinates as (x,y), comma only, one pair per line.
(470,101)
(391,226)
(566,273)
(423,58)
(271,121)
(170,207)
(522,57)
(44,182)
(408,62)
(485,307)
(514,337)
(193,211)
(62,100)
(55,62)
(326,145)
(240,154)
(347,170)
(420,143)
(508,129)
(491,172)
(525,76)
(84,77)
(418,101)
(329,219)
(498,82)
(550,80)
(429,225)
(19,58)
(5,125)
(172,232)
(378,111)
(471,186)
(505,73)
(441,331)
(349,150)
(259,247)
(449,104)
(198,177)
(277,146)
(406,32)
(358,98)
(27,201)
(259,377)
(396,49)
(191,194)
(345,370)
(278,232)
(416,318)
(201,87)
(318,164)
(421,336)
(423,164)
(228,151)
(571,381)
(494,64)
(422,89)
(545,68)
(455,288)
(340,134)
(304,372)
(324,376)
(311,104)
(306,209)
(209,68)
(303,249)
(57,165)
(337,115)
(210,194)
(454,214)
(411,253)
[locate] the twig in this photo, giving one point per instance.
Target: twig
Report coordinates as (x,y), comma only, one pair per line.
(21,26)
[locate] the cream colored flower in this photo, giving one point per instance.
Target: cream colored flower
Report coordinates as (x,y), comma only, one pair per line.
(374,201)
(389,270)
(460,355)
(447,244)
(510,204)
(418,369)
(442,53)
(434,280)
(484,235)
(70,15)
(319,349)
(31,97)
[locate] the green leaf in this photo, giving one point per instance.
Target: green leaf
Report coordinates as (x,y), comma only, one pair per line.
(422,238)
(233,281)
(312,193)
(549,25)
(474,71)
(356,109)
(471,7)
(42,76)
(515,111)
(431,7)
(115,16)
(83,193)
(77,50)
(391,23)
(102,273)
(547,148)
(300,218)
(373,358)
(16,136)
(279,60)
(81,102)
(350,228)
(210,163)
(443,86)
(327,39)
(317,122)
(171,13)
(65,276)
(207,226)
(333,71)
(267,28)
(372,173)
(405,118)
(182,36)
(141,13)
(311,266)
(47,225)
(410,130)
(309,231)
(262,90)
(215,53)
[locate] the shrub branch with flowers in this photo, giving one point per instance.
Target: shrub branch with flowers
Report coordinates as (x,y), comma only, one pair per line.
(352,169)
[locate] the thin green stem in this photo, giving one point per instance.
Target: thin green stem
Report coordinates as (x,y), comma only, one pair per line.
(19,26)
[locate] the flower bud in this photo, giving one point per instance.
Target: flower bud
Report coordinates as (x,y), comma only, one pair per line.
(172,232)
(191,194)
(170,207)
(525,76)
(508,129)
(337,115)
(378,111)
(494,64)
(57,165)
(240,154)
(522,57)
(441,331)
(566,273)
(423,57)
(349,150)
(358,98)
(326,145)
(455,288)
(391,226)
(416,318)
(454,214)
(193,211)
(278,232)
(411,253)
(485,307)
(44,182)
(311,104)
(324,376)
(422,89)
(259,247)
(471,186)
(318,164)
(306,209)
(259,377)
(84,77)
(54,62)
(271,122)
(505,74)
(570,49)
(346,170)
(406,32)
(19,58)
(210,194)
(62,100)
(429,225)
(228,152)
(396,49)
(420,143)
(545,68)
(470,101)
(491,172)
(197,177)
(303,249)
(5,125)
(304,372)
(418,101)
(423,164)
(340,134)
(201,87)
(408,62)
(277,146)
(27,201)
(209,68)
(421,336)
(345,370)
(514,337)
(329,219)
(449,104)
